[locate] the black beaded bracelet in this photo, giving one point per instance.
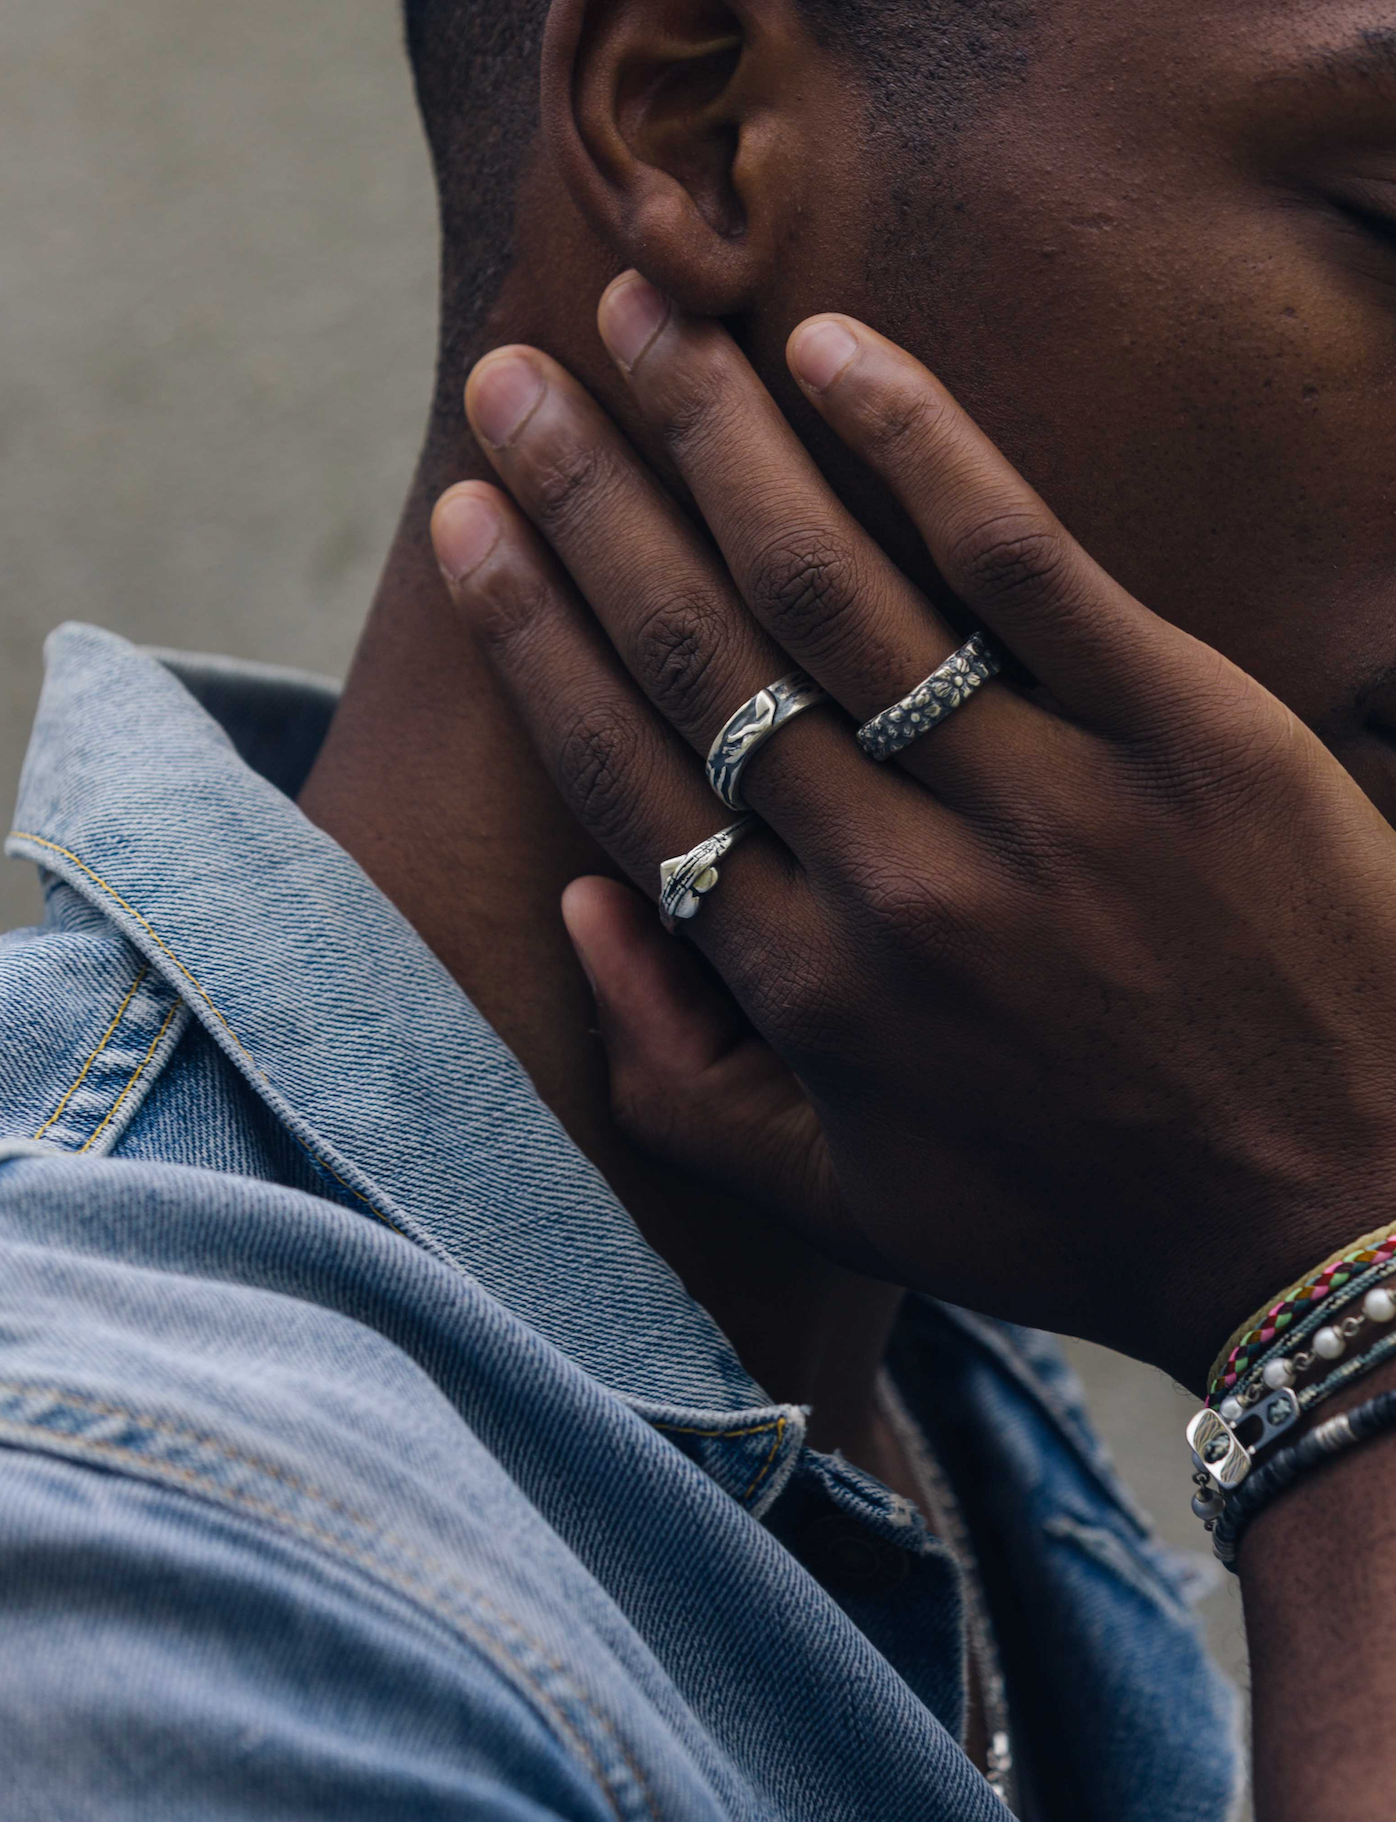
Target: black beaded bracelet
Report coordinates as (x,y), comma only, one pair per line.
(1258,1490)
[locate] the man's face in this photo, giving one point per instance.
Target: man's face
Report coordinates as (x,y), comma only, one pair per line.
(1161,271)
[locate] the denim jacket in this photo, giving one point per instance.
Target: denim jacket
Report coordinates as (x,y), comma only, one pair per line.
(360,1459)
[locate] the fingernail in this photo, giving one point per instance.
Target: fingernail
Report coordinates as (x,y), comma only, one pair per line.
(820,353)
(504,393)
(465,529)
(632,314)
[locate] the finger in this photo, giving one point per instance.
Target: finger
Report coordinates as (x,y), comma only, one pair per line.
(690,1082)
(656,585)
(658,1008)
(625,774)
(1100,652)
(808,571)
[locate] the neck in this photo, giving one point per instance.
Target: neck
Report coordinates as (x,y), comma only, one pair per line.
(429,782)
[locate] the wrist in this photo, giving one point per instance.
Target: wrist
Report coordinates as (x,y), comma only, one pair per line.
(1345,1499)
(1318,1574)
(1277,1397)
(1231,1298)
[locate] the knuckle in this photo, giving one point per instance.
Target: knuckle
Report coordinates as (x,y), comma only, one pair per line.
(1270,745)
(942,914)
(1245,753)
(1009,556)
(1034,841)
(1251,765)
(789,996)
(599,759)
(564,482)
(893,418)
(906,904)
(508,601)
(801,580)
(897,899)
(675,644)
(697,407)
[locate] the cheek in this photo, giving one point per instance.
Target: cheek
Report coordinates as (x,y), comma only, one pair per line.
(1204,399)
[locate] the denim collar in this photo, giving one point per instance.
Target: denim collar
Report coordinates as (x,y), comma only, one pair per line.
(161,788)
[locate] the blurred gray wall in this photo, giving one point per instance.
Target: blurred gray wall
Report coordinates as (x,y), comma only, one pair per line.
(217,270)
(217,277)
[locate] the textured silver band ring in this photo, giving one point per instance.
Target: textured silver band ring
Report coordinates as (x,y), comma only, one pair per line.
(946,689)
(752,726)
(686,881)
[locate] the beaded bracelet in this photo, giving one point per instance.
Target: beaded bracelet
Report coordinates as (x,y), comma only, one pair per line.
(1335,1437)
(1332,1332)
(1266,1405)
(1335,1272)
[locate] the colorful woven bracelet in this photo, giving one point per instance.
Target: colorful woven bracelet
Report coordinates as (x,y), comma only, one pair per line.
(1333,1274)
(1285,1357)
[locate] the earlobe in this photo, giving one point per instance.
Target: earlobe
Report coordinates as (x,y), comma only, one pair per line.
(653,114)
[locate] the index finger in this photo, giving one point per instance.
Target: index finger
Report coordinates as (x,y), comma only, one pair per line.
(1103,655)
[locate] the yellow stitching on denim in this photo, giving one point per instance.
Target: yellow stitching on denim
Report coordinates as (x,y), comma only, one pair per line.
(757,1429)
(106,1039)
(768,1464)
(39,841)
(293,1481)
(140,1071)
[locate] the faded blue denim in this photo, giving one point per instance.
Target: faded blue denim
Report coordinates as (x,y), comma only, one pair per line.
(359,1458)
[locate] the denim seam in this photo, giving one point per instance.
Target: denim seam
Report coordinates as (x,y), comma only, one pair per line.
(67,853)
(41,842)
(768,1464)
(419,1592)
(141,1068)
(758,1429)
(107,1037)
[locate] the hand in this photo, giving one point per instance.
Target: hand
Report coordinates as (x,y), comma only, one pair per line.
(1085,1008)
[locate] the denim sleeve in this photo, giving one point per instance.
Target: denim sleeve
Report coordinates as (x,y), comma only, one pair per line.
(167,1659)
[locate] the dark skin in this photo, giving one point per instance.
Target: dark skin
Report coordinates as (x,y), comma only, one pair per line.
(422,711)
(1185,209)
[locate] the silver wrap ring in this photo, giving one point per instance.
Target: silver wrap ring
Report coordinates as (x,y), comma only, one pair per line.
(949,687)
(686,881)
(752,726)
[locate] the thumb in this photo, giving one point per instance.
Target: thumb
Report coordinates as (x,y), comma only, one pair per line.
(691,1083)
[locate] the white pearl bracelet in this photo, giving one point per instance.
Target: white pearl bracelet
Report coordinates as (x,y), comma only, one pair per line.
(1330,1342)
(1266,1403)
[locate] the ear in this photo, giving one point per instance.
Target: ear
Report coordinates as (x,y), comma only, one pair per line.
(666,119)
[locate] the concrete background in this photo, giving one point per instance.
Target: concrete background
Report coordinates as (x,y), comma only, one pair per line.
(217,273)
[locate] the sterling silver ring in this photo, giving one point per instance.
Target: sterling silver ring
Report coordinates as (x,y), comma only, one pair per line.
(686,881)
(752,726)
(948,688)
